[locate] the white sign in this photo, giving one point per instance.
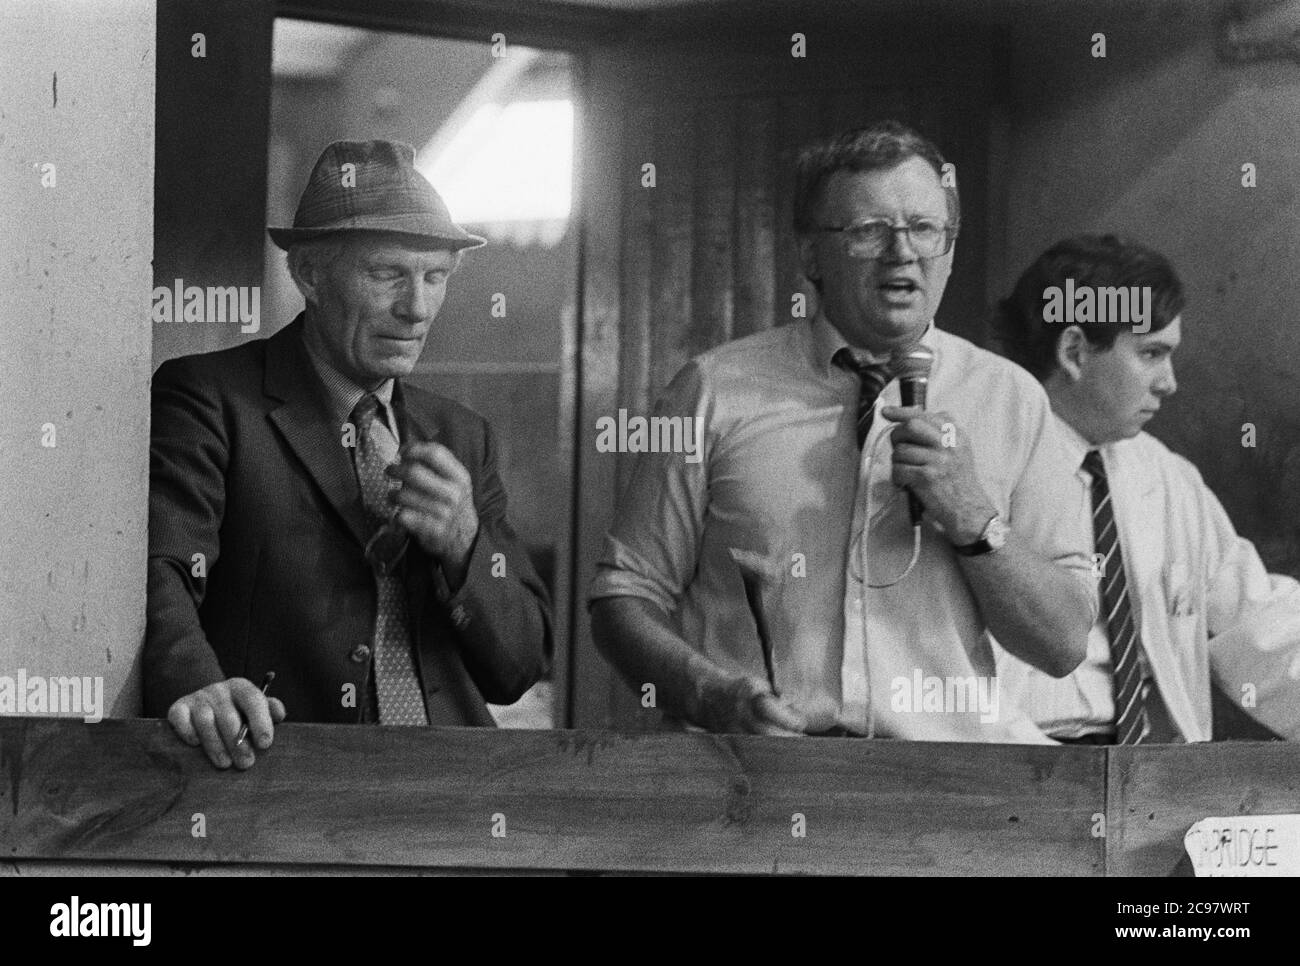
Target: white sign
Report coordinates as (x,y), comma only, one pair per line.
(1245,845)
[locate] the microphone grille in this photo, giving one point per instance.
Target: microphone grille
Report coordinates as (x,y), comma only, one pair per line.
(913,363)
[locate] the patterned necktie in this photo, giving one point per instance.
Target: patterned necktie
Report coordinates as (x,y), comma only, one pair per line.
(1132,724)
(397,683)
(873,377)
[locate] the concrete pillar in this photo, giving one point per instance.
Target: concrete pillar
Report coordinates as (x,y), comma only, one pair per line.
(76,205)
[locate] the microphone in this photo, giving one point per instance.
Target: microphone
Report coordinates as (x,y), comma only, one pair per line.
(912,369)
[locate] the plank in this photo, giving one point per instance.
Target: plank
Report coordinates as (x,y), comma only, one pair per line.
(636,336)
(799,123)
(541,23)
(672,238)
(621,708)
(858,106)
(590,680)
(1155,794)
(754,245)
(128,791)
(711,270)
(86,868)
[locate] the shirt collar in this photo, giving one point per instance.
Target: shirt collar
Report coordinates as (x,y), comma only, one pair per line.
(344,394)
(827,340)
(1075,444)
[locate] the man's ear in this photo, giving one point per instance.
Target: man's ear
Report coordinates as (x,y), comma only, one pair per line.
(946,261)
(1072,352)
(808,256)
(305,271)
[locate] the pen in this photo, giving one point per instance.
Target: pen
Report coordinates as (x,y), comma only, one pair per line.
(754,597)
(266,685)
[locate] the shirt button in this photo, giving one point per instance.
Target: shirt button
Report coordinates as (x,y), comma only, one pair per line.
(458,616)
(360,653)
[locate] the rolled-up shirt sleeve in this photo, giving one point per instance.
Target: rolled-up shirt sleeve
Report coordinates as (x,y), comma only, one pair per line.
(1050,504)
(653,547)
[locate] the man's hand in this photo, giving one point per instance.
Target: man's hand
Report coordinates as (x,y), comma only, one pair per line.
(744,706)
(638,637)
(211,717)
(932,456)
(436,505)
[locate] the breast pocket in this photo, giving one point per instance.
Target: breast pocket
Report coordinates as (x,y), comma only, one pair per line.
(1177,591)
(1182,608)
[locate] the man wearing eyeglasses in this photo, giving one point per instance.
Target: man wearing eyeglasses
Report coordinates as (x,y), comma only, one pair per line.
(777,584)
(314,515)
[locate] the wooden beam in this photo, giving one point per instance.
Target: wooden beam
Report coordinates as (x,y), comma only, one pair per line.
(1157,793)
(540,23)
(754,222)
(129,791)
(601,166)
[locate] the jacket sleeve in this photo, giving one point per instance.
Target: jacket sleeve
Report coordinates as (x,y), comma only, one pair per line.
(501,613)
(188,452)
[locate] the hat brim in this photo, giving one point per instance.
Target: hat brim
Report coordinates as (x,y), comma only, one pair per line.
(285,237)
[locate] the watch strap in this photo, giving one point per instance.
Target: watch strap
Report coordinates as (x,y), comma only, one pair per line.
(980,546)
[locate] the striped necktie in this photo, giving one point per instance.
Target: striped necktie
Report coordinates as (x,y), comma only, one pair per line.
(1132,723)
(873,377)
(397,682)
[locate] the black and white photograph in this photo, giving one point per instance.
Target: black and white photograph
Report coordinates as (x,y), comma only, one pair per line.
(631,438)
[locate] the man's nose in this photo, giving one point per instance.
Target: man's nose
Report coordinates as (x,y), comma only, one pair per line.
(899,250)
(1166,384)
(417,304)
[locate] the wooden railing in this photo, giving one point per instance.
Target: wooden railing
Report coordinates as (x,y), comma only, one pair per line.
(128,796)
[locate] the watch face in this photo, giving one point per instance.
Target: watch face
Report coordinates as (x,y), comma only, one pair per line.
(996,533)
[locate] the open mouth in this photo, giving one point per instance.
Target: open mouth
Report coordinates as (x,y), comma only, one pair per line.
(900,288)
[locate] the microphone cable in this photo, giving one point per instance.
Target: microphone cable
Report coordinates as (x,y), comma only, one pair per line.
(866,524)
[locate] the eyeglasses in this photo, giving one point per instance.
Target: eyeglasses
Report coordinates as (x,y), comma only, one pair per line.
(927,237)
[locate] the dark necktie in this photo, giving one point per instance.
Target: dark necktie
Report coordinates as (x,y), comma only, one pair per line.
(1131,721)
(397,683)
(872,377)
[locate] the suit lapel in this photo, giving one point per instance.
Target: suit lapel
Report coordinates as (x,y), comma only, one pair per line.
(303,419)
(415,427)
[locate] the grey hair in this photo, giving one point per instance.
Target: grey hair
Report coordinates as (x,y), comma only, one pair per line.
(321,252)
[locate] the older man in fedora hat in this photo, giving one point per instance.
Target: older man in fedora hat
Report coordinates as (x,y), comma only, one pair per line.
(314,517)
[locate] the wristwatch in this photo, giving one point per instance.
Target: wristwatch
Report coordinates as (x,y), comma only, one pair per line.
(993,537)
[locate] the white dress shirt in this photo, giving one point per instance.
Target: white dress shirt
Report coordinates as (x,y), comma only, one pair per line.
(1205,606)
(783,481)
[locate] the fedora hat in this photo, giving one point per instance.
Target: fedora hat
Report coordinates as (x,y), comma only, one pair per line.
(381,192)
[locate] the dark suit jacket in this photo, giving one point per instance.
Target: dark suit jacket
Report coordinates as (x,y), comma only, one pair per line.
(248,469)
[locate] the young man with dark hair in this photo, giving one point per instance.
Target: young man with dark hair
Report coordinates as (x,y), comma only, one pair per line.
(1184,599)
(836,632)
